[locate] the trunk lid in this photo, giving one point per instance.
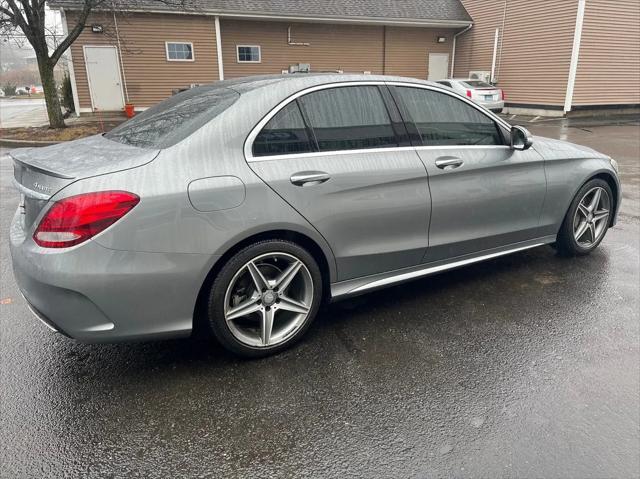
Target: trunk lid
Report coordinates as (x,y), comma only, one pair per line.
(486,94)
(39,173)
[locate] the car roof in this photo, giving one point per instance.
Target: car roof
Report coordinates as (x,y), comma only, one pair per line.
(307,80)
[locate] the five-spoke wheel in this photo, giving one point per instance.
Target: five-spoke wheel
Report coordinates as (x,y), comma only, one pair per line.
(268,299)
(591,216)
(265,297)
(587,220)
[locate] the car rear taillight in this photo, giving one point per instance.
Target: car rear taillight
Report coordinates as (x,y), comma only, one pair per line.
(75,219)
(469,93)
(502,94)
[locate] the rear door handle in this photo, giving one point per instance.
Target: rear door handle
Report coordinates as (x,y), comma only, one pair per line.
(309,178)
(448,162)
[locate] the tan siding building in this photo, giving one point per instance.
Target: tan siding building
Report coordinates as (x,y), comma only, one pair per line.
(407,50)
(549,56)
(135,57)
(147,75)
(537,42)
(361,46)
(609,64)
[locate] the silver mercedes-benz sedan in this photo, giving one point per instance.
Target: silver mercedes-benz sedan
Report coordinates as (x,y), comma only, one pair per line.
(247,203)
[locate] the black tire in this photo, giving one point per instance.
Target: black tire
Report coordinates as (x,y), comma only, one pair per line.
(566,243)
(217,295)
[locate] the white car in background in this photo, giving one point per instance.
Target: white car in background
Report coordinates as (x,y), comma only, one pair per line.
(480,92)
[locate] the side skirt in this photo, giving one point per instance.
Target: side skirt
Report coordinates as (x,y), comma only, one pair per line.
(358,286)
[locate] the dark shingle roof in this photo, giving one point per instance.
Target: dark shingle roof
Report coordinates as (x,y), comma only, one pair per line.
(418,11)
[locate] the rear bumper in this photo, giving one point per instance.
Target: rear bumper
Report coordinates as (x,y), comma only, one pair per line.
(95,294)
(491,105)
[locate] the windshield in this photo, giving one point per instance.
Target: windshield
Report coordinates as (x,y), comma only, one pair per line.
(477,84)
(175,118)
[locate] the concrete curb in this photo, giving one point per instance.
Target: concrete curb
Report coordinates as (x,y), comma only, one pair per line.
(8,142)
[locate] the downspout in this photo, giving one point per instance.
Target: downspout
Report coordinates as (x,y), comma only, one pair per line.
(124,76)
(219,49)
(453,53)
(493,59)
(504,21)
(72,73)
(384,49)
(575,54)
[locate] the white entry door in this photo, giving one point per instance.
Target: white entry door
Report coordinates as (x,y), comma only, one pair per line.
(438,66)
(103,73)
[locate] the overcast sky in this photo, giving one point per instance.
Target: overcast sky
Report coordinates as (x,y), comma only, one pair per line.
(19,46)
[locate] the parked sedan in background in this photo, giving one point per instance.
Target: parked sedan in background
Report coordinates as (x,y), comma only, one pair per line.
(248,202)
(481,92)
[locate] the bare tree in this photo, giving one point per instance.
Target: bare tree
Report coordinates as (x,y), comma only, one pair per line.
(28,17)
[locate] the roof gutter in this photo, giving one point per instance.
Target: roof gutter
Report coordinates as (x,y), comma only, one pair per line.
(407,22)
(453,53)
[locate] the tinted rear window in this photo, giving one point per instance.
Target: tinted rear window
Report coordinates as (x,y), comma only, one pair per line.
(174,119)
(349,118)
(284,134)
(477,84)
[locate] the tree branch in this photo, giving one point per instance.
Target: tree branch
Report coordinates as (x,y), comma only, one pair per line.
(75,32)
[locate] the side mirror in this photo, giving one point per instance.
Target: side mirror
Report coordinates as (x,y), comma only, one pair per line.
(521,139)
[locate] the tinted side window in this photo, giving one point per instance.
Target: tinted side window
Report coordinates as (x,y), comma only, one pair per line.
(284,134)
(349,118)
(445,120)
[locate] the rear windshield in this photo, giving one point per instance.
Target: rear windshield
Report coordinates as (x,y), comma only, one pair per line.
(477,84)
(174,119)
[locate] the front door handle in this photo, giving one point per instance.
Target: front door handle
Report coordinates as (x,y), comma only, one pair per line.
(309,178)
(448,162)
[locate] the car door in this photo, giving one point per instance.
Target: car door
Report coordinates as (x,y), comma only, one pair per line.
(336,155)
(484,193)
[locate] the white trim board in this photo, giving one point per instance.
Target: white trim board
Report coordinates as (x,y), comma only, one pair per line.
(219,48)
(575,56)
(72,72)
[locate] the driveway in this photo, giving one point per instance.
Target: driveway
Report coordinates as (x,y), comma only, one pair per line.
(16,113)
(524,366)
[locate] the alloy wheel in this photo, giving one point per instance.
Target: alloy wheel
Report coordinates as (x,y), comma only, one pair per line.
(268,300)
(591,217)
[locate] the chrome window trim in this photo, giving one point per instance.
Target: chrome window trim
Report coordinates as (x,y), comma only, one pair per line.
(248,143)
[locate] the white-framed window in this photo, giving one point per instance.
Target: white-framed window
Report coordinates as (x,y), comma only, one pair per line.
(248,53)
(179,51)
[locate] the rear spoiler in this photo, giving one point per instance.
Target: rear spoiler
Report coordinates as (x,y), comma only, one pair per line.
(41,169)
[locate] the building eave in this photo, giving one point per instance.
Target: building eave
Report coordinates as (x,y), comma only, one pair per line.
(401,22)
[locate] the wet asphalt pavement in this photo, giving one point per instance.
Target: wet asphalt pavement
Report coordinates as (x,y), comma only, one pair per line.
(524,366)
